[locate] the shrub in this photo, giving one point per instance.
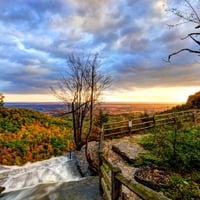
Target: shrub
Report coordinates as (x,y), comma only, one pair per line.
(182,188)
(177,149)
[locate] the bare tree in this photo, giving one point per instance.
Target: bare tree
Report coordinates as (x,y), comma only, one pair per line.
(81,89)
(190,14)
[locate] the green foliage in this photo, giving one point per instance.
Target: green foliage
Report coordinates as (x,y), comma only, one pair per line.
(147,159)
(28,136)
(58,144)
(178,108)
(9,126)
(12,120)
(178,151)
(183,188)
(148,142)
(101,118)
(18,145)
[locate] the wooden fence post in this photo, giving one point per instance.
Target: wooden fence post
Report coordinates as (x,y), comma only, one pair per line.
(100,155)
(194,117)
(101,139)
(130,124)
(116,185)
(154,123)
(100,173)
(175,118)
(175,136)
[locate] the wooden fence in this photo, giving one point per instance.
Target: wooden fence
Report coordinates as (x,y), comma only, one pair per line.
(110,177)
(111,181)
(151,121)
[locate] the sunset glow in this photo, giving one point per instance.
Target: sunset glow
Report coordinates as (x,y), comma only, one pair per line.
(159,95)
(30,98)
(37,36)
(152,95)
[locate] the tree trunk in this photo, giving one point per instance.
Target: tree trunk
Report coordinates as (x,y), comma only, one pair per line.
(91,122)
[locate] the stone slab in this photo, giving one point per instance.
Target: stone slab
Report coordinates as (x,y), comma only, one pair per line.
(128,151)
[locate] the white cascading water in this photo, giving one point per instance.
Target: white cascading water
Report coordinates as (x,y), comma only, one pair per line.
(57,169)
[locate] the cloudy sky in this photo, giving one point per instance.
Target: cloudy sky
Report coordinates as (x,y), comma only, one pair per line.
(132,38)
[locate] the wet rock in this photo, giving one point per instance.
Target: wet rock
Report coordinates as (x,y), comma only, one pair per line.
(56,178)
(2,189)
(53,170)
(93,148)
(84,189)
(3,176)
(82,162)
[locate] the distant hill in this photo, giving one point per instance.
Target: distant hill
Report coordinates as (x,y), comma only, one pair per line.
(28,136)
(193,101)
(52,108)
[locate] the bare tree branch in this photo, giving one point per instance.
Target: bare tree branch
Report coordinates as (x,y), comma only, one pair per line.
(193,11)
(191,15)
(189,50)
(191,36)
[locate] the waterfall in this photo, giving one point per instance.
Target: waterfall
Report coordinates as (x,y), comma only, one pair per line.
(59,169)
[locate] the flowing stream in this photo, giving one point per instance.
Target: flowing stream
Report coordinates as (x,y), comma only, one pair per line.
(54,179)
(57,169)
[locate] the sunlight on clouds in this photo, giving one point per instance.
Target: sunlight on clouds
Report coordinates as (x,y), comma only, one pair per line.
(159,6)
(131,36)
(159,12)
(94,15)
(161,95)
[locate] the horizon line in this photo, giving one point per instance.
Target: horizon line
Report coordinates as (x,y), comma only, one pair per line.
(109,102)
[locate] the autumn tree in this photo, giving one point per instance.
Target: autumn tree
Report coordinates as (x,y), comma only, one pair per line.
(190,13)
(1,100)
(80,88)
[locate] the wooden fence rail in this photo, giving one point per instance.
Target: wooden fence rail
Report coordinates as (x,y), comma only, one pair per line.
(111,181)
(139,124)
(110,177)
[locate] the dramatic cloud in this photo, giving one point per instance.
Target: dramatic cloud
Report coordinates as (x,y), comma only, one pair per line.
(132,37)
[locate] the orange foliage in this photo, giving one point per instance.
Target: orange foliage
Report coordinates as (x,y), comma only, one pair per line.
(36,137)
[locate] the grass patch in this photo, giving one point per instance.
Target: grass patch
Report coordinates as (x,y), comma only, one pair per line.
(177,150)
